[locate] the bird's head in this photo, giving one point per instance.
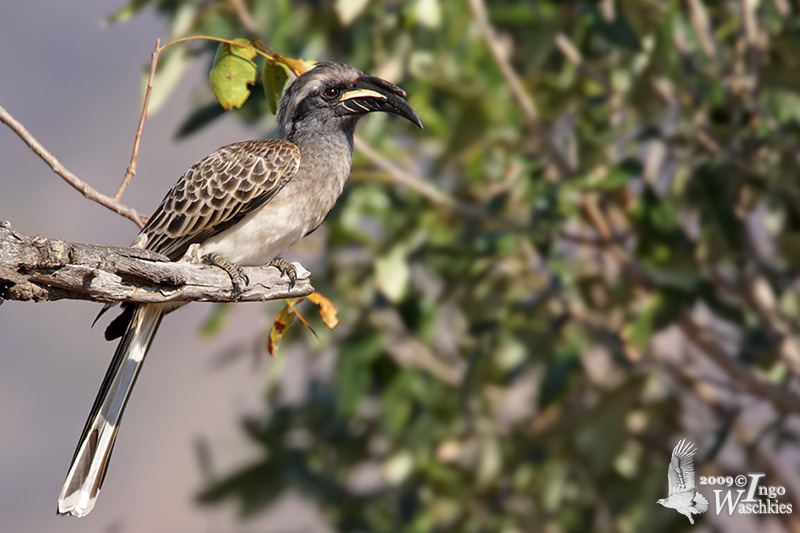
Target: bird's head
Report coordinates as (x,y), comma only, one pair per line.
(334,96)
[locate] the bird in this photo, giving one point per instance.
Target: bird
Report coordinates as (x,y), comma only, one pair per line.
(243,205)
(683,496)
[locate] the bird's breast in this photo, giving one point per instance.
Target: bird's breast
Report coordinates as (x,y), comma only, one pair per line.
(299,207)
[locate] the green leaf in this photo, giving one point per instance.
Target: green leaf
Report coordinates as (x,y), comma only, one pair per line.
(392,274)
(273,78)
(558,379)
(232,73)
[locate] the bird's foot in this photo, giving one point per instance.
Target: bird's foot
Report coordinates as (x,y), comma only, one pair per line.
(286,269)
(238,278)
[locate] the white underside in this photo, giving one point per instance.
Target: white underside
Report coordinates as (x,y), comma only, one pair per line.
(268,231)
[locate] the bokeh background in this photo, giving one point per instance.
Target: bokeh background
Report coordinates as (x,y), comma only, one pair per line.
(589,254)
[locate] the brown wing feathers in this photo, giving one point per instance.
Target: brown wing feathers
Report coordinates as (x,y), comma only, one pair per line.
(218,191)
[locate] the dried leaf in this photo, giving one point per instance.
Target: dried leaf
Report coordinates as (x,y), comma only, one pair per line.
(326,309)
(298,66)
(279,326)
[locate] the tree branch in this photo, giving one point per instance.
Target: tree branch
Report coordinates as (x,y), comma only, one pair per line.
(780,398)
(69,177)
(130,172)
(434,195)
(40,269)
(525,102)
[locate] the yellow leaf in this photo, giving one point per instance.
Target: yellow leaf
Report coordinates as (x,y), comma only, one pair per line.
(298,66)
(279,326)
(326,309)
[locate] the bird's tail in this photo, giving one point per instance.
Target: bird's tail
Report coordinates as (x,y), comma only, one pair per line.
(700,503)
(90,461)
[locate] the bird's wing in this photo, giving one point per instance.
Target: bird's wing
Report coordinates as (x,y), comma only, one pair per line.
(681,467)
(218,191)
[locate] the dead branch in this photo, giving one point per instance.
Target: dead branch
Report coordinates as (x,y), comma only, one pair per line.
(69,177)
(130,172)
(41,269)
(782,399)
(524,100)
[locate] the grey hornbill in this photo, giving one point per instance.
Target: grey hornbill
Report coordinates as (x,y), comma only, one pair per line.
(243,205)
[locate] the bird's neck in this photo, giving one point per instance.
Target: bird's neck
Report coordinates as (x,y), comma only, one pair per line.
(333,142)
(325,160)
(330,150)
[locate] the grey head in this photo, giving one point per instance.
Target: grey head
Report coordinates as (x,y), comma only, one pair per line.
(332,97)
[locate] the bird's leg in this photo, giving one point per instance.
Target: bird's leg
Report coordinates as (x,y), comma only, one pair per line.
(234,271)
(286,269)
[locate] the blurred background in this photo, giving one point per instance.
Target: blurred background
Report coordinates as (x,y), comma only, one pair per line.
(590,253)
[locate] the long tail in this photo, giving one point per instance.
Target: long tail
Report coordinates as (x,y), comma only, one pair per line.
(88,469)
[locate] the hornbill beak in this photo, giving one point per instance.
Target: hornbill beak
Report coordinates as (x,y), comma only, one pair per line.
(375,94)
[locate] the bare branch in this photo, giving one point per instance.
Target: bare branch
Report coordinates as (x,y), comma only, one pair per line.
(244,16)
(131,170)
(40,269)
(523,99)
(69,177)
(426,190)
(573,55)
(702,27)
(781,399)
(525,102)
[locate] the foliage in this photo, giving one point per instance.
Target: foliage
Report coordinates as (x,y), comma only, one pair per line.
(521,348)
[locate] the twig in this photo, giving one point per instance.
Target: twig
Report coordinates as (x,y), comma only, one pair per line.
(781,399)
(407,350)
(702,27)
(427,191)
(566,47)
(40,269)
(245,17)
(83,187)
(526,103)
(783,7)
(761,297)
(523,99)
(131,171)
(776,474)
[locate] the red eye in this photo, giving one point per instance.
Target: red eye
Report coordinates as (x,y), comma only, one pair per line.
(331,92)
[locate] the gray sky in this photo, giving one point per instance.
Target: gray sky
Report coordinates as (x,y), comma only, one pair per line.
(76,86)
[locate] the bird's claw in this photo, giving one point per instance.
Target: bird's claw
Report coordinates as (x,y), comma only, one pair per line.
(239,279)
(286,269)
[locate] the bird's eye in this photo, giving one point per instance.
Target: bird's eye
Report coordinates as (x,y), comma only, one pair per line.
(330,93)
